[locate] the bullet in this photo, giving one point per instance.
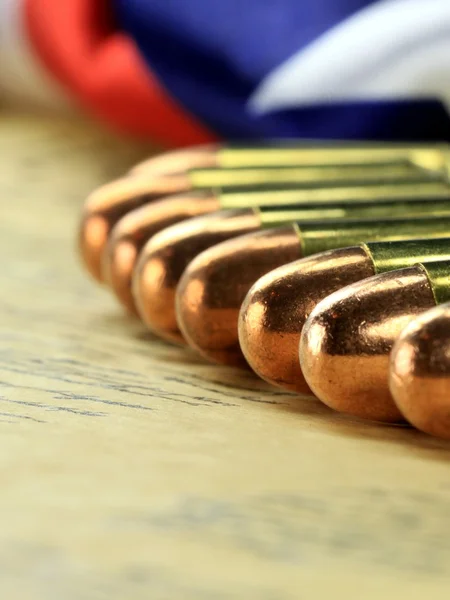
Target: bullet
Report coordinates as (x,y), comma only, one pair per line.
(131,232)
(274,311)
(177,161)
(166,255)
(330,192)
(419,376)
(294,153)
(106,205)
(215,283)
(347,339)
(210,178)
(432,156)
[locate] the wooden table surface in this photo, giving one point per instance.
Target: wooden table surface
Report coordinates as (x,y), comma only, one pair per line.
(132,470)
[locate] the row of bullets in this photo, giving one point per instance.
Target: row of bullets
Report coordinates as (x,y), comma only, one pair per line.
(323,266)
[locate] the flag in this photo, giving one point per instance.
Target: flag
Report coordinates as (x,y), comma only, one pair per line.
(191,71)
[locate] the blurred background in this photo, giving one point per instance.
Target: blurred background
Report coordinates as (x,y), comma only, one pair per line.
(192,71)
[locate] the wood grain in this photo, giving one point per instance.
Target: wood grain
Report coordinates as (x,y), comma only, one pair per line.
(131,469)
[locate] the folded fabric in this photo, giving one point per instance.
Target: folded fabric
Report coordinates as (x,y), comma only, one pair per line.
(191,71)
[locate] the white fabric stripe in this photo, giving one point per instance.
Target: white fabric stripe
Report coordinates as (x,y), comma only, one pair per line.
(394,49)
(22,78)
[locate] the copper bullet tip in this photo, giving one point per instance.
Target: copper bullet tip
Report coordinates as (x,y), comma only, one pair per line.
(346,341)
(420,372)
(214,285)
(132,232)
(107,204)
(275,310)
(177,161)
(167,254)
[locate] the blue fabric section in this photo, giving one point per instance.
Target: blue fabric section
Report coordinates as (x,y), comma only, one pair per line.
(211,55)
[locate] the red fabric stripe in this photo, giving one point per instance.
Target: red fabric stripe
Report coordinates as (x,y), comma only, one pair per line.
(101,66)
